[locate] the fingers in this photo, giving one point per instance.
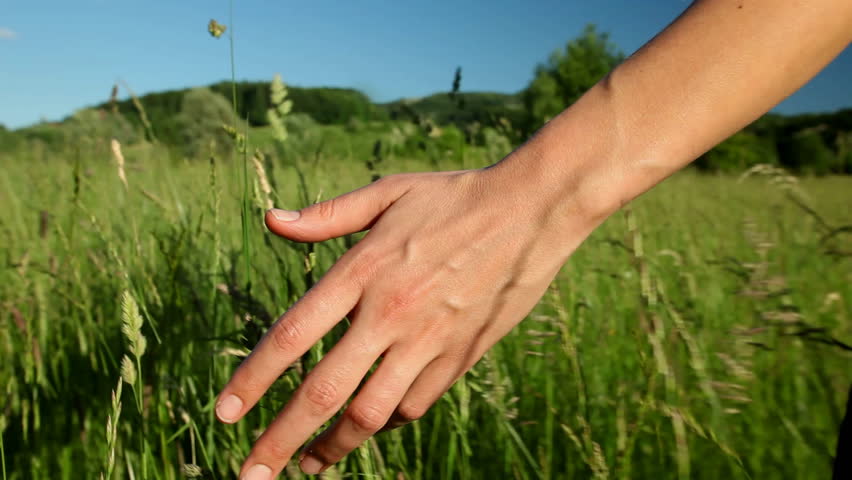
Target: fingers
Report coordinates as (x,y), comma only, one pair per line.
(349,213)
(368,412)
(291,336)
(323,393)
(427,389)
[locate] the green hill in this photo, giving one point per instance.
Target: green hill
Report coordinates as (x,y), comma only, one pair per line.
(462,109)
(810,143)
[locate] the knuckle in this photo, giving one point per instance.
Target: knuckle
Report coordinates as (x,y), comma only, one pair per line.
(389,181)
(385,181)
(366,418)
(322,396)
(273,450)
(326,452)
(397,179)
(397,303)
(285,335)
(410,412)
(457,353)
(250,383)
(325,210)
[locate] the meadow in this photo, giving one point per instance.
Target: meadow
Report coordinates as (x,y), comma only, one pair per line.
(701,332)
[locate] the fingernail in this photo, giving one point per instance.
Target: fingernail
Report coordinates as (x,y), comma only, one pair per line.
(258,472)
(311,465)
(285,215)
(229,409)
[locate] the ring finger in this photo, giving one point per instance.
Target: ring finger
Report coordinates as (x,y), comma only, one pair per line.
(369,411)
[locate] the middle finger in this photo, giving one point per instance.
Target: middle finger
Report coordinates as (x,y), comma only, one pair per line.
(370,409)
(320,396)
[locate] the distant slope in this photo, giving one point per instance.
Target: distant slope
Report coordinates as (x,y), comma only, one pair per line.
(326,105)
(331,105)
(816,143)
(483,107)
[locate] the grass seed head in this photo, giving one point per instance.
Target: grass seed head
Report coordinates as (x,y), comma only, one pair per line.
(215,29)
(132,324)
(191,470)
(128,370)
(119,159)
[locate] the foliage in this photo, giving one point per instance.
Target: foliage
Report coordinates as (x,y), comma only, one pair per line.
(806,151)
(809,143)
(484,108)
(333,105)
(497,144)
(843,144)
(325,105)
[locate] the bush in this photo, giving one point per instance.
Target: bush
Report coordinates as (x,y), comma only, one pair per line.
(807,152)
(844,151)
(99,126)
(332,105)
(496,144)
(8,140)
(200,123)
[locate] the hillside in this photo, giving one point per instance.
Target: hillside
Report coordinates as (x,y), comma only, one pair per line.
(816,143)
(464,108)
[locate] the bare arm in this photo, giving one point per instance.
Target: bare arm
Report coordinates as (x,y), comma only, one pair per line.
(720,66)
(454,260)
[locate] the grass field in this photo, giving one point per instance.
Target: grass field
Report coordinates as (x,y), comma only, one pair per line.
(696,334)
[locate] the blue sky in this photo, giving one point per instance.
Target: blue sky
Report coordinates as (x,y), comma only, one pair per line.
(57,56)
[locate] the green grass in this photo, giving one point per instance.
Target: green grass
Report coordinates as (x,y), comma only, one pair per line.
(670,346)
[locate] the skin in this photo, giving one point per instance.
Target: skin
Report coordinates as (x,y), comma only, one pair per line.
(454,260)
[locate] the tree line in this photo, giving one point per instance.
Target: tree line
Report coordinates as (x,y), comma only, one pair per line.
(811,143)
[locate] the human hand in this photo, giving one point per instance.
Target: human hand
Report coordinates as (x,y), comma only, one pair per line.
(452,262)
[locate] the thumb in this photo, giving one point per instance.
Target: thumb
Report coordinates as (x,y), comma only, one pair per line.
(348,213)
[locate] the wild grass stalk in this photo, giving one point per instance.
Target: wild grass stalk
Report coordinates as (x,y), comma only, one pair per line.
(131,327)
(246,205)
(112,432)
(2,445)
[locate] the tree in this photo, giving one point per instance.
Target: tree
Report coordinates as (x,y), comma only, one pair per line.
(568,73)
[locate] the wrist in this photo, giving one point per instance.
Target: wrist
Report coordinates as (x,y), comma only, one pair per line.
(591,159)
(573,166)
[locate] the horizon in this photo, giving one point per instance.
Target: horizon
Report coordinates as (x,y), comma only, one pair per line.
(409,51)
(125,97)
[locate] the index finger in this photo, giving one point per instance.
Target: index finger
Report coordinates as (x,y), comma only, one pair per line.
(292,335)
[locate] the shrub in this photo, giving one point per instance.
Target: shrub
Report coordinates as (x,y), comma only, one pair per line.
(200,121)
(806,151)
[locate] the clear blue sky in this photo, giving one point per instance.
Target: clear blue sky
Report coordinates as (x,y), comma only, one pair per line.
(59,55)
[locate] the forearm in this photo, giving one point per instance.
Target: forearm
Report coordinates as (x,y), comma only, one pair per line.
(721,65)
